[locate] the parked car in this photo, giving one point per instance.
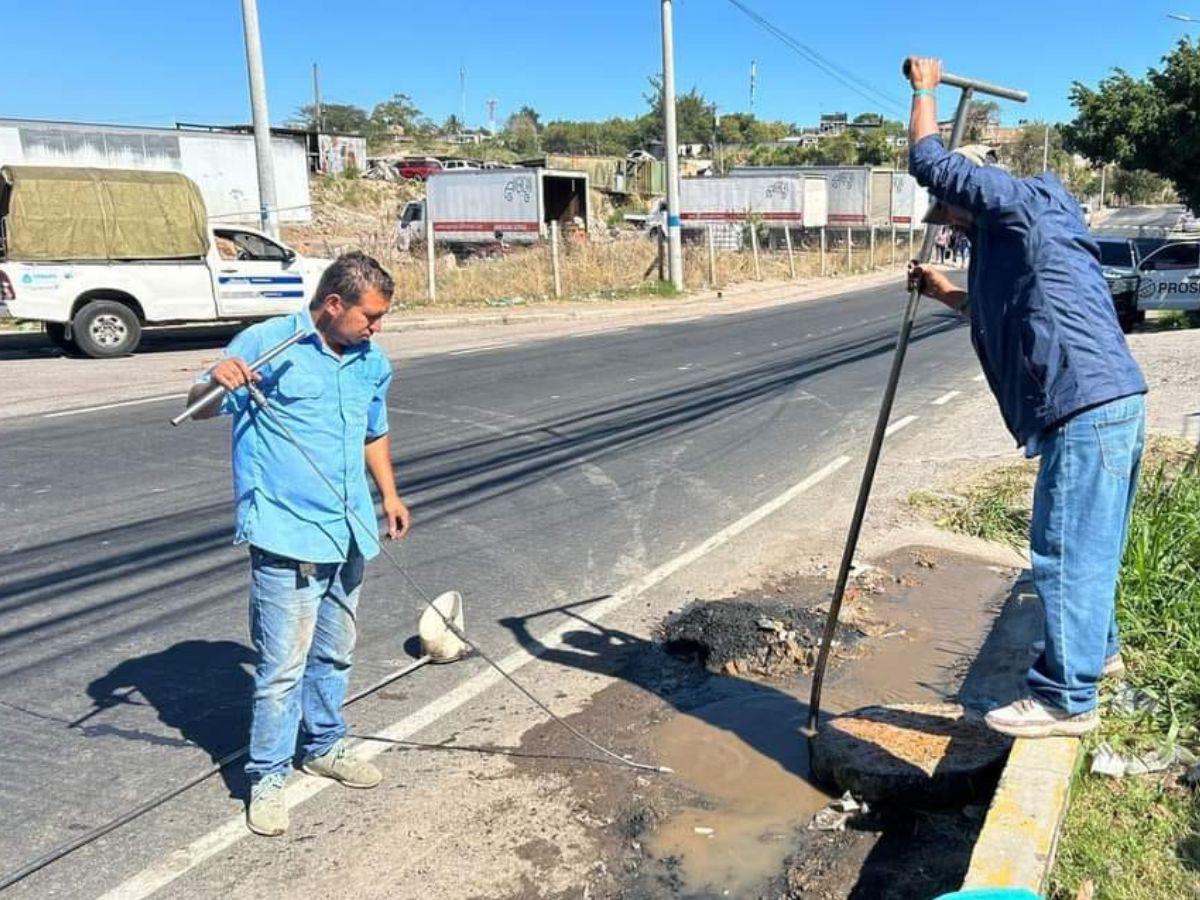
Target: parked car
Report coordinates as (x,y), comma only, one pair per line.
(418,168)
(457,165)
(1150,274)
(96,254)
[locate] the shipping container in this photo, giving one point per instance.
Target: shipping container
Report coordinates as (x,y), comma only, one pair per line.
(859,196)
(512,206)
(776,200)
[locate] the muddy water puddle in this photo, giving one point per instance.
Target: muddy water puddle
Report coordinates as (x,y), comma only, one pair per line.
(745,755)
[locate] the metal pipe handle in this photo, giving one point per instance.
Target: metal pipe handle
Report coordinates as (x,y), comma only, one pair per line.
(217,390)
(972,84)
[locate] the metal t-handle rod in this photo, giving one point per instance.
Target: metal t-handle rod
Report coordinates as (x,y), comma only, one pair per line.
(979,87)
(218,390)
(881,424)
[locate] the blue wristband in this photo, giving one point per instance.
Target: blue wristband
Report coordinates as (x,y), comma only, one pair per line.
(922,92)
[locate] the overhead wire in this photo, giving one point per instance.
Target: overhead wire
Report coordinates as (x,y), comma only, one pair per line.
(839,73)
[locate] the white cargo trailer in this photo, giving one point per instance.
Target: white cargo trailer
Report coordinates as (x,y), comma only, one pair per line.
(858,196)
(511,206)
(778,201)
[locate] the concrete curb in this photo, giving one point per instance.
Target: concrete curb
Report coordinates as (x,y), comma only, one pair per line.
(1020,834)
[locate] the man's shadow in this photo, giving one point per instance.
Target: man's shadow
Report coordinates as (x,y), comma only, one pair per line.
(656,669)
(201,690)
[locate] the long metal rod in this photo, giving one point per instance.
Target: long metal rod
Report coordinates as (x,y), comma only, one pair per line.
(881,424)
(217,390)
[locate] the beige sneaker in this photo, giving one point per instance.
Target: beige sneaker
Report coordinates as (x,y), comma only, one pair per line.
(267,812)
(338,764)
(1030,718)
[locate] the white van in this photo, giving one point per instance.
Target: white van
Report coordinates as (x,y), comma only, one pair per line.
(96,254)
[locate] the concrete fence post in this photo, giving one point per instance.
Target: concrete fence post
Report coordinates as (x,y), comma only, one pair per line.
(430,256)
(910,240)
(787,236)
(712,257)
(822,249)
(892,258)
(871,258)
(554,267)
(754,250)
(849,250)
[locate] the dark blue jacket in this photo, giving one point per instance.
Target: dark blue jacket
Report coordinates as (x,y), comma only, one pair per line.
(1042,319)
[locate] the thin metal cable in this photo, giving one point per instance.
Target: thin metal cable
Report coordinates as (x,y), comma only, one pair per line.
(262,403)
(859,85)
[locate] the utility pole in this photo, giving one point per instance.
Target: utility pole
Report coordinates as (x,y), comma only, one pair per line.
(1103,173)
(318,117)
(674,242)
(1046,149)
(268,206)
(753,83)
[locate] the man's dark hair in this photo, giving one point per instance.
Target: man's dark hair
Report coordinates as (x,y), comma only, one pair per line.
(349,276)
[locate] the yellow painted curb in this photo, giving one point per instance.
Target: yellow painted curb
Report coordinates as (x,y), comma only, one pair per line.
(1020,834)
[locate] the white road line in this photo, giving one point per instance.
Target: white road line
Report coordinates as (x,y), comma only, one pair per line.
(945,398)
(979,377)
(184,859)
(900,423)
(478,349)
(88,409)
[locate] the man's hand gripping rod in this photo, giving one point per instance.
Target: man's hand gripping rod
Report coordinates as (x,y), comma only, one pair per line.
(969,87)
(218,390)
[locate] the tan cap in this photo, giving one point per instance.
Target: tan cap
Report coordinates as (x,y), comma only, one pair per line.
(978,154)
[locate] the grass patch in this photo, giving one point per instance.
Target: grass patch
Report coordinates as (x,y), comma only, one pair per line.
(1133,839)
(994,505)
(1139,838)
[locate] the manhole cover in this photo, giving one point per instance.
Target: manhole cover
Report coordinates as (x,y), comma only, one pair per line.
(918,754)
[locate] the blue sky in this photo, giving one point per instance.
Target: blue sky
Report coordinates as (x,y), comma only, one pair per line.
(143,62)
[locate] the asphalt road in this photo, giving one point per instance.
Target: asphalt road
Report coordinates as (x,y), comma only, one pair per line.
(539,475)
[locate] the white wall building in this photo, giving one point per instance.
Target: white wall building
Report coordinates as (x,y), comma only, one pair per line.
(221,164)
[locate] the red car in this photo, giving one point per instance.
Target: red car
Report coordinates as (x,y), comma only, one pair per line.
(418,167)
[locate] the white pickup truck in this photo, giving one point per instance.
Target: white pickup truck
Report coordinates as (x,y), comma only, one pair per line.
(95,254)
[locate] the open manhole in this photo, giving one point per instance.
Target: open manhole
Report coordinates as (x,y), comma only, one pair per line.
(745,637)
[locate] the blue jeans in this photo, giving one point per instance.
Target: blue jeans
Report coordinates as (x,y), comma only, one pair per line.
(1081,508)
(303,626)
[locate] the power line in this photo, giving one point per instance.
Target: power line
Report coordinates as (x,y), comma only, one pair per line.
(839,73)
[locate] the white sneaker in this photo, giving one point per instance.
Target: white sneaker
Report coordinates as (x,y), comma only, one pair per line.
(1031,718)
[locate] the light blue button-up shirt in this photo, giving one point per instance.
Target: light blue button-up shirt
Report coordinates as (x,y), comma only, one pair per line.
(333,405)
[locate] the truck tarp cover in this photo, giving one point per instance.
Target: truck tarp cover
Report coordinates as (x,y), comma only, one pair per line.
(55,213)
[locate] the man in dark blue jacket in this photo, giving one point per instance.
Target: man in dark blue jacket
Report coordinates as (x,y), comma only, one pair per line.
(1046,334)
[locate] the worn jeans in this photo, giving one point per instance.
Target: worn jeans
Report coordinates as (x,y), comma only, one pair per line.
(302,623)
(1081,509)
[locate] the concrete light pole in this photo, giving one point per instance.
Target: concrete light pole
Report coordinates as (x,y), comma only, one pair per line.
(268,206)
(1046,148)
(674,238)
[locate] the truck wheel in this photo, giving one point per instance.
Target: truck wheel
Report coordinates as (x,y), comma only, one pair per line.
(104,329)
(56,332)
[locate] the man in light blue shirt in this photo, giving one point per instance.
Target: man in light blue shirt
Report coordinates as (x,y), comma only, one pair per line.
(307,553)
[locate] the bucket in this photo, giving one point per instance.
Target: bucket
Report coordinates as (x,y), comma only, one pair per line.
(438,642)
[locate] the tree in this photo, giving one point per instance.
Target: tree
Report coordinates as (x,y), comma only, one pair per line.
(874,149)
(339,118)
(982,116)
(1138,186)
(528,112)
(398,115)
(1150,124)
(693,115)
(520,133)
(452,125)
